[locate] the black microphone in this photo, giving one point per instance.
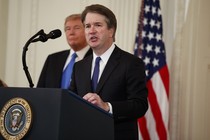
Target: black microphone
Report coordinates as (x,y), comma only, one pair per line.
(44,37)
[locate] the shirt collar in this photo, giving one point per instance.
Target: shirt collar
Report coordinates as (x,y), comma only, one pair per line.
(81,53)
(105,56)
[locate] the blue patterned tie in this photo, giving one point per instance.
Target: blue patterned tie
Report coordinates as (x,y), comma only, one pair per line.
(95,74)
(66,77)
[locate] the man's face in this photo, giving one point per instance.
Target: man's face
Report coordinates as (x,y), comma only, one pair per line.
(96,31)
(75,34)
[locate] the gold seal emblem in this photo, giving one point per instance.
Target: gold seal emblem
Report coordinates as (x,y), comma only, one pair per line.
(15,119)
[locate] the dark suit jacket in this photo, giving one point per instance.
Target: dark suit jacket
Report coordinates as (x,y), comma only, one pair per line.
(123,84)
(51,74)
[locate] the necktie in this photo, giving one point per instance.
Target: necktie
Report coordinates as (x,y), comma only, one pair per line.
(95,74)
(66,77)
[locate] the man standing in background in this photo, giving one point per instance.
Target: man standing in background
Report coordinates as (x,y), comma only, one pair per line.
(56,72)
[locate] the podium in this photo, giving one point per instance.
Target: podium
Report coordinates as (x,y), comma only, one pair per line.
(60,115)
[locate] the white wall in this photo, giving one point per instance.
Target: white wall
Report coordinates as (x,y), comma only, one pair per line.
(3,31)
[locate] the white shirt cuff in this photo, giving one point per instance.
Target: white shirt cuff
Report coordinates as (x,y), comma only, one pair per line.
(110,108)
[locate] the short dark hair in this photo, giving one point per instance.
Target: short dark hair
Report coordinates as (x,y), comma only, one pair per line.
(102,10)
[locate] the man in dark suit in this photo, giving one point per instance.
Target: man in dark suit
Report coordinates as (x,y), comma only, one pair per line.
(55,64)
(111,78)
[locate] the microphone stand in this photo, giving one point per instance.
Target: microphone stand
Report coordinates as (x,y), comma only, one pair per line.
(25,48)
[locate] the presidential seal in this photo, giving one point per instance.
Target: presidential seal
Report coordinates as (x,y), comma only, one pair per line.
(15,119)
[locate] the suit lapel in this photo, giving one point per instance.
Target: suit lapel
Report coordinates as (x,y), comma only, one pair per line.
(110,66)
(87,73)
(89,52)
(61,61)
(59,64)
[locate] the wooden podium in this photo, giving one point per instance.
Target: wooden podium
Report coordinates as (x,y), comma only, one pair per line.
(60,115)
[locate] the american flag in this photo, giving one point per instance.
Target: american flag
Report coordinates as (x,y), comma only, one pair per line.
(149,46)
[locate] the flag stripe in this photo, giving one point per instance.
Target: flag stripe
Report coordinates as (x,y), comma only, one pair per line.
(165,78)
(158,87)
(162,99)
(143,128)
(151,125)
(160,128)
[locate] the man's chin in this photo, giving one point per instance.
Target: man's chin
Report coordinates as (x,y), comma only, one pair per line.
(93,44)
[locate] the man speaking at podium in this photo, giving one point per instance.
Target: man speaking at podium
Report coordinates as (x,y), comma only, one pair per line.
(111,78)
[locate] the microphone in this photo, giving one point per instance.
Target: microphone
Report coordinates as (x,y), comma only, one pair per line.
(44,37)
